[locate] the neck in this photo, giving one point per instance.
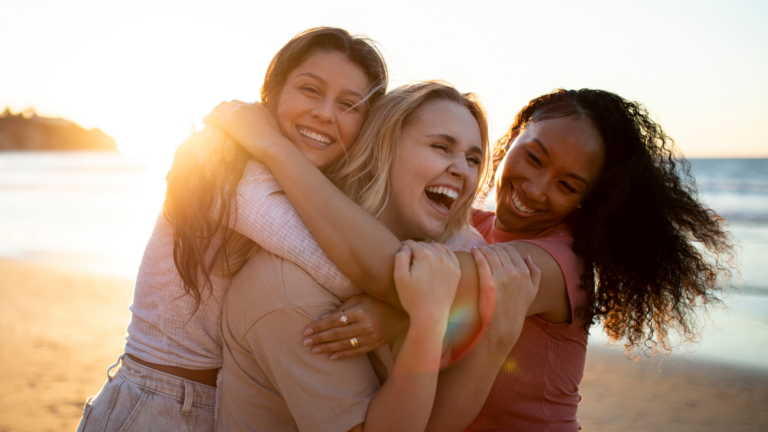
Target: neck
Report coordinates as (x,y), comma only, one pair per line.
(499,226)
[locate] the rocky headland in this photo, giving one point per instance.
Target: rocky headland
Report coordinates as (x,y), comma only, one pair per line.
(28,131)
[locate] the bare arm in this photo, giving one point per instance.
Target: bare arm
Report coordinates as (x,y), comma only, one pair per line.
(426,286)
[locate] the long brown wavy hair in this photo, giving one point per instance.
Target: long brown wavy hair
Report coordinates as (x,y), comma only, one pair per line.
(200,205)
(652,251)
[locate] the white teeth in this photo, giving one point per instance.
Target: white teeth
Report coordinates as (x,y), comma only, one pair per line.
(519,205)
(444,191)
(315,137)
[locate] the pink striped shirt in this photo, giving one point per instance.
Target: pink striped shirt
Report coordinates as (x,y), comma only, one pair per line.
(538,386)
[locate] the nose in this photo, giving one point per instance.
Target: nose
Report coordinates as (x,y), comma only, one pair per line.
(459,167)
(323,111)
(535,189)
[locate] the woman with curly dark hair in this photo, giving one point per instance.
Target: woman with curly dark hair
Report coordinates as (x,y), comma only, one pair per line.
(594,192)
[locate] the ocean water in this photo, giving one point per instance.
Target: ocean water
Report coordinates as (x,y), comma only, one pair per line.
(95,212)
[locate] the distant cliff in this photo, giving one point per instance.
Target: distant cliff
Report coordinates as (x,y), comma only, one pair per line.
(28,131)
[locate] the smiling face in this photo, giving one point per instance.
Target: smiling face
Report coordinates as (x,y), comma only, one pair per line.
(436,169)
(546,173)
(320,107)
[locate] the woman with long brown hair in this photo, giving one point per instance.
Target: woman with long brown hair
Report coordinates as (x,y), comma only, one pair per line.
(319,87)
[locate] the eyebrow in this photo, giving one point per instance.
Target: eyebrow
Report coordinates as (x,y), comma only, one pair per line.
(571,175)
(325,83)
(452,141)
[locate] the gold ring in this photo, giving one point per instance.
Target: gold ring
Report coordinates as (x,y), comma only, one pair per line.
(354,342)
(343,318)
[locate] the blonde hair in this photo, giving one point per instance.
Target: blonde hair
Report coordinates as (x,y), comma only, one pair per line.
(364,174)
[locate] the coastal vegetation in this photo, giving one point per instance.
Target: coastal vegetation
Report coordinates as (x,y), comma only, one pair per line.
(28,131)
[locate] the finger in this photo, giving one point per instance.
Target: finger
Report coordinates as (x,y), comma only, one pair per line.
(331,321)
(483,268)
(217,118)
(194,140)
(351,353)
(491,257)
(230,149)
(451,254)
(208,135)
(339,334)
(336,346)
(506,261)
(403,262)
(419,250)
(217,144)
(330,335)
(513,254)
(535,271)
(487,295)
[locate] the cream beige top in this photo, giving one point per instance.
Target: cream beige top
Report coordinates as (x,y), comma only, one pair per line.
(270,380)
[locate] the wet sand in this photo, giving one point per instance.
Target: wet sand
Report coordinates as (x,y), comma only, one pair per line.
(60,330)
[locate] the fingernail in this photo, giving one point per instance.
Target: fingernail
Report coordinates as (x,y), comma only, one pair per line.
(316,350)
(334,357)
(308,332)
(307,342)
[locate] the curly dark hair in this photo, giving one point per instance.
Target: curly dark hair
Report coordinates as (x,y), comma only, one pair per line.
(655,251)
(201,242)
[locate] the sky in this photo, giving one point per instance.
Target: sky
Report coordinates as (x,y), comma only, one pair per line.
(146,72)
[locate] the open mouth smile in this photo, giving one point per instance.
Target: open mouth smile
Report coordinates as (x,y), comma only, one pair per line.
(518,204)
(442,197)
(316,138)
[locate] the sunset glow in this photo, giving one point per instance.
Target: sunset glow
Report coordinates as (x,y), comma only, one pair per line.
(146,72)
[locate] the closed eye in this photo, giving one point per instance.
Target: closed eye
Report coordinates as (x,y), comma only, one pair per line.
(568,187)
(349,105)
(310,89)
(534,158)
(473,160)
(440,146)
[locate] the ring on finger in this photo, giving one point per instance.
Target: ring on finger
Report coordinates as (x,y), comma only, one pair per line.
(343,319)
(354,342)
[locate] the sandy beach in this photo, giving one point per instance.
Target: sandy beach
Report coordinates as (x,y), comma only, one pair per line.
(61,329)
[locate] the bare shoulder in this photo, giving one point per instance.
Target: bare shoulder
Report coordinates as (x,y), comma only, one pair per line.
(551,302)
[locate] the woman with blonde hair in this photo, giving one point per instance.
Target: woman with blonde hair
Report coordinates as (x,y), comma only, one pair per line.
(416,168)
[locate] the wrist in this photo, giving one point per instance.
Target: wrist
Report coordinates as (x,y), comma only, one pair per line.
(281,150)
(436,321)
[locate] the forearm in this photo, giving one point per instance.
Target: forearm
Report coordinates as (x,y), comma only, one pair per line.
(355,241)
(405,401)
(265,215)
(463,388)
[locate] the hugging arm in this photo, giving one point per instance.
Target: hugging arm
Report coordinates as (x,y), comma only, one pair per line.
(355,241)
(266,216)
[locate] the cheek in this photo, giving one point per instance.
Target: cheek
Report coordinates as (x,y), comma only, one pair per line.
(349,127)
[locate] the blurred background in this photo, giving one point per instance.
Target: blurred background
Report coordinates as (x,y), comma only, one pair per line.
(78,203)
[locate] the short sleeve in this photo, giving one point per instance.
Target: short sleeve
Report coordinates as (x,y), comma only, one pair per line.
(321,394)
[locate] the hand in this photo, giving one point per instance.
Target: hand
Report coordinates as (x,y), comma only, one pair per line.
(251,125)
(426,277)
(372,322)
(212,144)
(508,286)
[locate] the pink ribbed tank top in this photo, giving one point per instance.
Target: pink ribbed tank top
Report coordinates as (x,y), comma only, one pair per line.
(538,386)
